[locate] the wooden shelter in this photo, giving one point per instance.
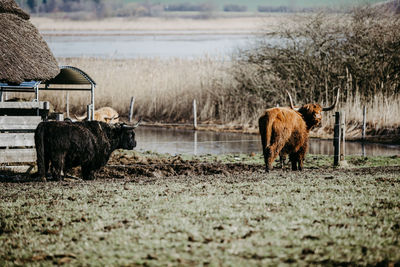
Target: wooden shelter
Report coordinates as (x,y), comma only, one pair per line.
(25,60)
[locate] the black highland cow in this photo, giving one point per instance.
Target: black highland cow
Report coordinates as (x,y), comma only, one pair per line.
(87,144)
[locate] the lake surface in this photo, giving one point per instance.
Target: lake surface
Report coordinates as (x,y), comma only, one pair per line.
(134,44)
(186,44)
(177,141)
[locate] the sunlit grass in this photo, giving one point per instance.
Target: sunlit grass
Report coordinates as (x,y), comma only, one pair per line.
(323,216)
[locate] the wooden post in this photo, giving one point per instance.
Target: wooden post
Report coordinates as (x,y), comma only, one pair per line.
(131,108)
(343,137)
(194,115)
(336,140)
(364,124)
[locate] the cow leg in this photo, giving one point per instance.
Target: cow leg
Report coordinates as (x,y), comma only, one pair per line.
(297,160)
(46,165)
(294,159)
(57,165)
(267,156)
(302,155)
(282,158)
(87,173)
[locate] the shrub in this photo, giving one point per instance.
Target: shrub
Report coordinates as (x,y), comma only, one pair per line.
(358,53)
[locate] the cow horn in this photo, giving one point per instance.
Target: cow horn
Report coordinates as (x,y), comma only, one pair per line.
(334,104)
(291,101)
(80,118)
(133,126)
(138,123)
(110,119)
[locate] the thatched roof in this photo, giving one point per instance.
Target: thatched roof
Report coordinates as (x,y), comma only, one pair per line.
(9,6)
(24,55)
(392,6)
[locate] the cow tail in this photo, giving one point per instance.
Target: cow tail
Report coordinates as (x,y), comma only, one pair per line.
(265,127)
(39,144)
(268,133)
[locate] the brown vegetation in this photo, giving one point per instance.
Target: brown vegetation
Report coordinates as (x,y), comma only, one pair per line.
(312,61)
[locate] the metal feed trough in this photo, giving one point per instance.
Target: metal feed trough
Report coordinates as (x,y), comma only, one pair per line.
(18,120)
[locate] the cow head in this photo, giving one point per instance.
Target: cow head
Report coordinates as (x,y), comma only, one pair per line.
(113,119)
(312,113)
(126,135)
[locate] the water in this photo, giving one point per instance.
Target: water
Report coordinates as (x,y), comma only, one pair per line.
(176,141)
(129,44)
(186,44)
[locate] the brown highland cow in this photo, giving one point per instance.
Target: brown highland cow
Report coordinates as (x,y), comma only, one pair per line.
(284,131)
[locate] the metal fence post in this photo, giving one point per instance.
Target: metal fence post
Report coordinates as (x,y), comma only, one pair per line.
(336,140)
(194,114)
(364,123)
(343,137)
(89,112)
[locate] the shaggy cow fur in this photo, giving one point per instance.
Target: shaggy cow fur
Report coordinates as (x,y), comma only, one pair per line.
(87,144)
(284,131)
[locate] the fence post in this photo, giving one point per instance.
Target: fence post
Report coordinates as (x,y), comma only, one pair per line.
(59,117)
(194,115)
(336,140)
(343,137)
(89,113)
(131,108)
(67,104)
(195,143)
(364,123)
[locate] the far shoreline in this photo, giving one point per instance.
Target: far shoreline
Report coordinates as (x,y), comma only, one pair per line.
(269,23)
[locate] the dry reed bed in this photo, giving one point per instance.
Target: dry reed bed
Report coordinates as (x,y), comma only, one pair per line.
(165,88)
(162,24)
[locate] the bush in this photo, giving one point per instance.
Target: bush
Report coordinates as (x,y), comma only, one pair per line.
(358,53)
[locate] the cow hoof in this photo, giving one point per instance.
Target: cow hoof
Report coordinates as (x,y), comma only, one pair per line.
(41,179)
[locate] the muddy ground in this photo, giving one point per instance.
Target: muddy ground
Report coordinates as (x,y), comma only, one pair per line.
(134,166)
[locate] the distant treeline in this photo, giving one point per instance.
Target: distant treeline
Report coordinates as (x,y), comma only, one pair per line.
(108,8)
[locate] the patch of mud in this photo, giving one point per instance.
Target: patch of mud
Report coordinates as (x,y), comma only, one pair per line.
(128,166)
(135,167)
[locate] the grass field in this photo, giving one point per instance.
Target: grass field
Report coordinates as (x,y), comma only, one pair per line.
(321,216)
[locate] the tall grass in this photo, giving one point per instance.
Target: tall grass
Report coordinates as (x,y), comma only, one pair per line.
(165,88)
